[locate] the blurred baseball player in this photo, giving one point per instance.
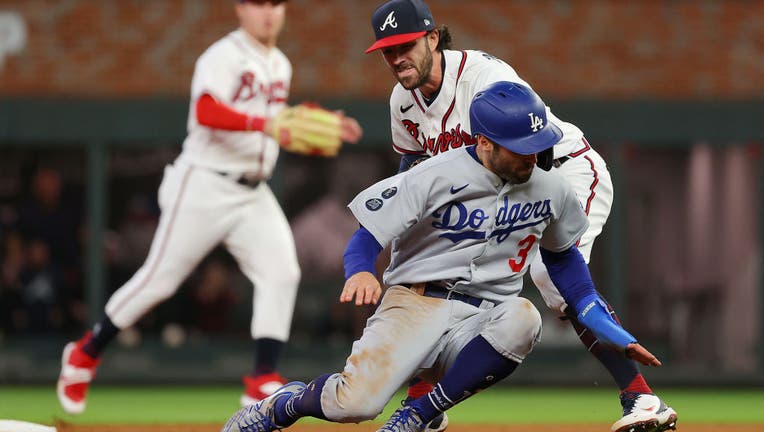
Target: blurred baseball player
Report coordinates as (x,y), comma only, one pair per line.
(428,110)
(216,192)
(463,229)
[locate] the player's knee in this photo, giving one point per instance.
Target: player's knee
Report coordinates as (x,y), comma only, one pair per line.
(517,328)
(358,404)
(358,410)
(528,318)
(157,291)
(350,401)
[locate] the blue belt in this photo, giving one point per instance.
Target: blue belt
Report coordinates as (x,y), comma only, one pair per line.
(428,289)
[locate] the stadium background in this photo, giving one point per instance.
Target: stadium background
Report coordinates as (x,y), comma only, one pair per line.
(94,98)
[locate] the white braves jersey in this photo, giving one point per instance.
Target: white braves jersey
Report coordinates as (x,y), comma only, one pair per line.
(250,78)
(445,124)
(451,220)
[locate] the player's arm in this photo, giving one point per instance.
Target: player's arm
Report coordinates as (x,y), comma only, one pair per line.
(304,128)
(359,258)
(571,276)
(214,114)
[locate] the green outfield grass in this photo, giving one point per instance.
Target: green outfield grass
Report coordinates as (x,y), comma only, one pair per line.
(498,405)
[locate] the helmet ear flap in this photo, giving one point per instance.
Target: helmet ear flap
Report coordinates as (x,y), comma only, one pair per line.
(545,159)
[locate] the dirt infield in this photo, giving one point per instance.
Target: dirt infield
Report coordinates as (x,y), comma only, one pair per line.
(371,427)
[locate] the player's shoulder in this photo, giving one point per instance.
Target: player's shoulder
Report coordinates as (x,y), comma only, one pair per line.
(478,61)
(550,181)
(280,56)
(220,49)
(478,57)
(552,175)
(399,97)
(399,94)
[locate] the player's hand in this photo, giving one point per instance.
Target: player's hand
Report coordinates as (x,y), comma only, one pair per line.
(639,353)
(351,130)
(309,129)
(364,286)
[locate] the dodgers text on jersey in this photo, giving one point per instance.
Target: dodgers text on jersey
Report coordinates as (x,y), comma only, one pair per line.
(461,224)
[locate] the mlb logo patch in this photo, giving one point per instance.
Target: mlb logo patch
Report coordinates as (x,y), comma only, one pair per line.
(389,192)
(374,204)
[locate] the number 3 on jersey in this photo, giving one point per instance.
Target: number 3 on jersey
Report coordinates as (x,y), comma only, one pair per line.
(516,264)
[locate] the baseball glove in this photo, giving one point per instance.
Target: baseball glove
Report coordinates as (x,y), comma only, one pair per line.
(307,129)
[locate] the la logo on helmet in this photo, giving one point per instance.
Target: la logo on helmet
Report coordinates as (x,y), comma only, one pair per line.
(389,21)
(536,122)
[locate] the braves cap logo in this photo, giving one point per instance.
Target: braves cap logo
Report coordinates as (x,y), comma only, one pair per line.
(536,122)
(389,21)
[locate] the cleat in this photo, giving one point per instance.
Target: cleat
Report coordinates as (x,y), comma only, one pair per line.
(404,419)
(261,417)
(257,388)
(643,412)
(77,371)
(438,424)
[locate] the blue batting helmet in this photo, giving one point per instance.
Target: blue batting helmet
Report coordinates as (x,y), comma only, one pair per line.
(513,116)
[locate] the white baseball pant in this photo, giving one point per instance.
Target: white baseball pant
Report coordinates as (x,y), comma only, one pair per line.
(201,209)
(590,178)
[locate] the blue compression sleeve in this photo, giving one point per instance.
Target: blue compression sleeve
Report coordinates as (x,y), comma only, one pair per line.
(570,275)
(361,253)
(595,316)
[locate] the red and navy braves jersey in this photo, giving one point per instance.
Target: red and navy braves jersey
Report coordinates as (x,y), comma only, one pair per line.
(444,124)
(250,78)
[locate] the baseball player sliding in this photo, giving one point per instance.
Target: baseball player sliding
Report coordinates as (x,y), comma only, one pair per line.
(429,116)
(216,192)
(463,229)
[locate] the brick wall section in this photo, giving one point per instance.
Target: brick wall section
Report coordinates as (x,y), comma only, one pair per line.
(604,49)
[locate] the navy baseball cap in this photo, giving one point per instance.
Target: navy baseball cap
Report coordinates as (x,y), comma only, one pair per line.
(400,21)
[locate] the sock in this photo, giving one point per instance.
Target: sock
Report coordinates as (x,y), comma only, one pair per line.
(103,332)
(305,403)
(638,385)
(477,367)
(267,352)
(417,388)
(624,370)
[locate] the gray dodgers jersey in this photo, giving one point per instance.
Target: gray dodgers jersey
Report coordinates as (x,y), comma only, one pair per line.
(450,219)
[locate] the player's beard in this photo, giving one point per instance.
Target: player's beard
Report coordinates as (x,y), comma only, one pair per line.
(423,70)
(517,171)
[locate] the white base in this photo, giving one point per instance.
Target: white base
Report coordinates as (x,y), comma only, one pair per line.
(22,426)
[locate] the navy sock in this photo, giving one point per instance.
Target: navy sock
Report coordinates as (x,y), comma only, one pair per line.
(623,369)
(267,352)
(302,404)
(103,332)
(477,367)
